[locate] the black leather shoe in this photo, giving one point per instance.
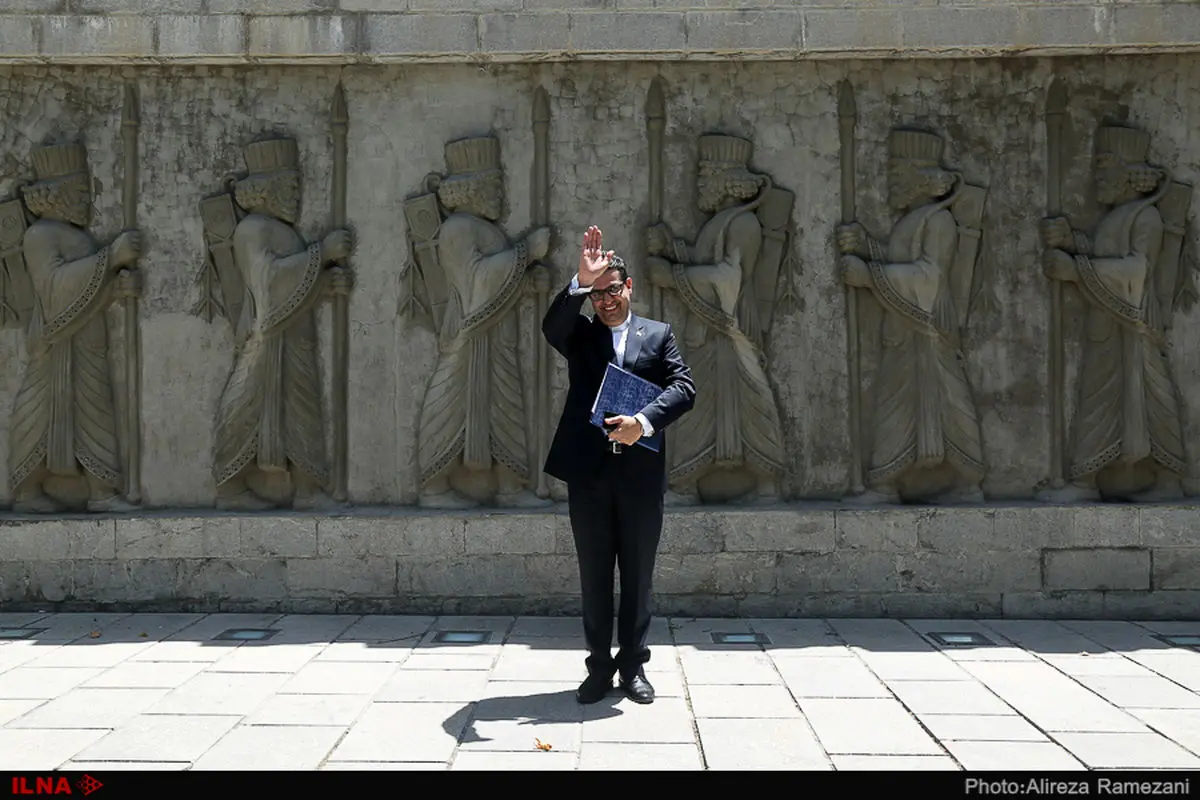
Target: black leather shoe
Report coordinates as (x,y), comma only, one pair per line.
(638,688)
(593,689)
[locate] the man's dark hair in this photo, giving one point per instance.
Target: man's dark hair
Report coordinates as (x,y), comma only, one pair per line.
(618,264)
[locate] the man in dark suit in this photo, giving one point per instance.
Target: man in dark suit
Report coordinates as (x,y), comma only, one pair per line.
(615,487)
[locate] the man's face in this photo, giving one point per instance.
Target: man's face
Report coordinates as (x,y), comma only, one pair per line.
(610,297)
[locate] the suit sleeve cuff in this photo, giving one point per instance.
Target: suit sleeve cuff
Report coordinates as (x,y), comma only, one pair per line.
(575,289)
(647,428)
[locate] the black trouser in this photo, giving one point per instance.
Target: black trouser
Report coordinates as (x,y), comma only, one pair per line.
(616,519)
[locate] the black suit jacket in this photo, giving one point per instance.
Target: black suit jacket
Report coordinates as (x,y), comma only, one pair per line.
(650,353)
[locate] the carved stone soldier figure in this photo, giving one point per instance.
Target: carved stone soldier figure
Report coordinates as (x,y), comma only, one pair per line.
(63,436)
(269,442)
(473,444)
(1127,438)
(730,448)
(926,441)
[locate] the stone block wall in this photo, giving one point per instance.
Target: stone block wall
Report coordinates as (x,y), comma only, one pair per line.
(381,31)
(1017,561)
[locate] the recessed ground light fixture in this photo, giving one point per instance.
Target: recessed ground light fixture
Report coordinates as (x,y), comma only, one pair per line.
(961,639)
(740,638)
(1191,640)
(19,633)
(462,637)
(246,634)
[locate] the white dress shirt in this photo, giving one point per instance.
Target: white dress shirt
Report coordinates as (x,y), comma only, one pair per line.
(620,334)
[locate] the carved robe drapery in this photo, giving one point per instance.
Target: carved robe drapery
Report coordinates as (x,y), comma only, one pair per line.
(1127,408)
(64,416)
(924,414)
(270,410)
(735,421)
(473,407)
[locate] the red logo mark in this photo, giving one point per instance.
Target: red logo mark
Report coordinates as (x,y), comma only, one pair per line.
(24,784)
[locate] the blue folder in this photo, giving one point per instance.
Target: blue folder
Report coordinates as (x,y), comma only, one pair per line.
(622,392)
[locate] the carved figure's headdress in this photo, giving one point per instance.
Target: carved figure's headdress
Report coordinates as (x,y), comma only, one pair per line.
(59,160)
(473,155)
(725,151)
(271,155)
(1129,144)
(920,147)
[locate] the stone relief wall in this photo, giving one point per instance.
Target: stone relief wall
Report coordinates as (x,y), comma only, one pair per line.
(741,207)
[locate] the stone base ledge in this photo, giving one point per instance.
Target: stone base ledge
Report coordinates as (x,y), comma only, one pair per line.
(382,31)
(1000,560)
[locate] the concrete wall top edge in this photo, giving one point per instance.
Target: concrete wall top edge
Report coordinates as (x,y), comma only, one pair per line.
(366,31)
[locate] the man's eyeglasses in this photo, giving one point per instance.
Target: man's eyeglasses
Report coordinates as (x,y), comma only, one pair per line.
(598,295)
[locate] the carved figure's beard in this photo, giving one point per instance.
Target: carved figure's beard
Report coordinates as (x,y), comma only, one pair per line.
(708,198)
(1109,193)
(903,196)
(284,211)
(78,214)
(489,208)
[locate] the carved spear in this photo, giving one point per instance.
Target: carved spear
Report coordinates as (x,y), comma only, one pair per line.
(541,218)
(656,115)
(340,119)
(847,117)
(1056,104)
(130,122)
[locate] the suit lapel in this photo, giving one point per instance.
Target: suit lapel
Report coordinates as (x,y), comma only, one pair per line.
(633,341)
(604,339)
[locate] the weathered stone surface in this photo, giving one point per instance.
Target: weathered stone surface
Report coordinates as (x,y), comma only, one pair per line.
(399,535)
(628,33)
(955,530)
(173,537)
(1176,568)
(690,532)
(269,536)
(1094,526)
(302,37)
(974,571)
(778,531)
(1167,527)
(843,571)
(199,36)
(749,29)
(367,577)
(141,6)
(510,535)
(410,562)
(33,584)
(270,6)
(56,539)
(79,38)
(387,36)
(1053,605)
(1097,569)
(230,579)
(126,580)
(566,29)
(469,576)
(523,33)
(843,29)
(717,574)
(882,530)
(18,36)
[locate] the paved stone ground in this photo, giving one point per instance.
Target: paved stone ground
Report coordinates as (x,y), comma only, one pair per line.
(158,691)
